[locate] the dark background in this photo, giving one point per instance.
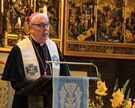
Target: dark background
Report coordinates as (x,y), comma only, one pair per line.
(110,69)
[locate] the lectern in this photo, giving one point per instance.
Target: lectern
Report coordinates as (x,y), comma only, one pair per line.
(67,91)
(37,91)
(40,86)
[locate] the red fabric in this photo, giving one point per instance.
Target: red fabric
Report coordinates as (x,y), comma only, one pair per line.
(32,15)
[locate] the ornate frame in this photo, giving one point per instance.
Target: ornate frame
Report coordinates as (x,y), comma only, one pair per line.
(94,40)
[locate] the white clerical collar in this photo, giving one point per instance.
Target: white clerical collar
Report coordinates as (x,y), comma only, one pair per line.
(41,44)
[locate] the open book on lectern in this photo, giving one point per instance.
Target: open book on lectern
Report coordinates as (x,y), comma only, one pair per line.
(44,84)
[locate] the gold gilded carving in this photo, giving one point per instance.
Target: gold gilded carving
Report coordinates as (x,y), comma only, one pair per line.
(16,19)
(17,13)
(52,9)
(80,20)
(104,49)
(80,1)
(100,28)
(130,21)
(109,21)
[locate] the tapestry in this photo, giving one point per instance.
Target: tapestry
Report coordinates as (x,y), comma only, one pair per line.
(3,58)
(6,94)
(70,92)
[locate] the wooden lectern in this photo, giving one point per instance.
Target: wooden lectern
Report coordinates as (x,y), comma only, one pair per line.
(39,86)
(39,92)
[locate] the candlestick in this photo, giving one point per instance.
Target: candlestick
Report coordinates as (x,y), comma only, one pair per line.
(19,22)
(44,9)
(14,0)
(2,7)
(31,3)
(125,2)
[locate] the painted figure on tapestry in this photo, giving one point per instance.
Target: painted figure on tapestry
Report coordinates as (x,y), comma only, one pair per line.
(53,15)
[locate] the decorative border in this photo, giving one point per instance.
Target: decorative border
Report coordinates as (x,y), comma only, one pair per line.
(103,50)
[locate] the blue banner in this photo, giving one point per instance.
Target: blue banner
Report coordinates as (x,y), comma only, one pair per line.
(70,92)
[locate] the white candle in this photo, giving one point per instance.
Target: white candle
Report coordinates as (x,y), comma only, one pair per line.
(125,2)
(19,22)
(2,7)
(31,3)
(44,9)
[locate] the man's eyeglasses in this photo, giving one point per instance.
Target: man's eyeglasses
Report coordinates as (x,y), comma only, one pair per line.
(42,25)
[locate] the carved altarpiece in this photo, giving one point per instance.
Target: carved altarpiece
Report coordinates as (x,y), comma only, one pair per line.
(99,28)
(16,18)
(89,28)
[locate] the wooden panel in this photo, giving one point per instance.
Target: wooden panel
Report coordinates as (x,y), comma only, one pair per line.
(79,73)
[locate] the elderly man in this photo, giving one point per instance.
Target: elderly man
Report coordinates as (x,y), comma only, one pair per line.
(26,61)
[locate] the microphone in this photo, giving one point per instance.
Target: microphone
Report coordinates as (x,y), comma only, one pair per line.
(77,63)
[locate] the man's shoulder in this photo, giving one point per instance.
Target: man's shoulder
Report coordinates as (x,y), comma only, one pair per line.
(15,49)
(23,41)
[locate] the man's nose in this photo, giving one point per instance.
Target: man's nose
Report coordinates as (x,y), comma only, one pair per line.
(46,28)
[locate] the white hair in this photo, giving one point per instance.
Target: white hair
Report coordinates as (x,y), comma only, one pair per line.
(39,15)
